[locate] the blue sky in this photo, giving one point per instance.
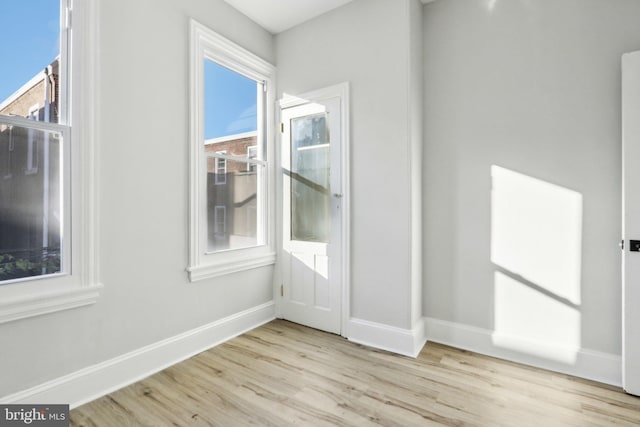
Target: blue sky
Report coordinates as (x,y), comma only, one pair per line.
(26,49)
(229,102)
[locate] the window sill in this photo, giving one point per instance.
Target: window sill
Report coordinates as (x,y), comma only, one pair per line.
(228,265)
(37,304)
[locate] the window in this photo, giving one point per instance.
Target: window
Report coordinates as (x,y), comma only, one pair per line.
(39,169)
(221,169)
(231,171)
(34,205)
(252,154)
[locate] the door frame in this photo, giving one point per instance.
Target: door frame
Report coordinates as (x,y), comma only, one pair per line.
(630,229)
(340,91)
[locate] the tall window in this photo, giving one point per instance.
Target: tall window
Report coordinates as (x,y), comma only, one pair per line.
(40,167)
(231,185)
(34,202)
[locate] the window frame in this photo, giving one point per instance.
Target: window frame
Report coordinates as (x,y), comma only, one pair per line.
(220,178)
(78,284)
(206,44)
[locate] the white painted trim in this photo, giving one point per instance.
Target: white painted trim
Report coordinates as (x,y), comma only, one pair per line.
(589,364)
(207,44)
(43,303)
(345,102)
(23,122)
(408,342)
(415,140)
(338,90)
(86,128)
(103,378)
(630,225)
(208,271)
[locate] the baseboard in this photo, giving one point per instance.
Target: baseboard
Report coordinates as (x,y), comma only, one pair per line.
(407,342)
(593,365)
(98,380)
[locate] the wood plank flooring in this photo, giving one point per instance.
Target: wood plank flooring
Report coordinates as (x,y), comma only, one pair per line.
(285,374)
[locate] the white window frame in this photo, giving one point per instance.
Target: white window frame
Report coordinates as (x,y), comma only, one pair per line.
(208,45)
(78,285)
(220,172)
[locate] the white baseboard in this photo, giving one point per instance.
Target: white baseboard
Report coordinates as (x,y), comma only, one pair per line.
(407,342)
(98,380)
(585,363)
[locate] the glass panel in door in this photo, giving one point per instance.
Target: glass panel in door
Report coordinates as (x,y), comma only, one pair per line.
(310,173)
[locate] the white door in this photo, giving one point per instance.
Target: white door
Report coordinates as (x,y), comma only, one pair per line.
(312,226)
(631,223)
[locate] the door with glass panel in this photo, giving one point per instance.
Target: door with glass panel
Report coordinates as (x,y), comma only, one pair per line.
(311,248)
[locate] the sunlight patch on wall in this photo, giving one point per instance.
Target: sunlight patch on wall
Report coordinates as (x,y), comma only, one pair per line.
(536,244)
(536,231)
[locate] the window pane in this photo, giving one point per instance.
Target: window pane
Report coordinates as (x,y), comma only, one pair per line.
(230,102)
(231,123)
(30,203)
(310,194)
(29,63)
(232,206)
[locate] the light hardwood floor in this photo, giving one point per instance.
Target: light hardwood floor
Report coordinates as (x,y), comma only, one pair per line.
(285,374)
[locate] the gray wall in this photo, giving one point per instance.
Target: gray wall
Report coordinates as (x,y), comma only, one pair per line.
(534,87)
(367,43)
(143,160)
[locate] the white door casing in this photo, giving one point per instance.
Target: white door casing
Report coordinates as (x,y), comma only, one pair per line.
(314,261)
(631,222)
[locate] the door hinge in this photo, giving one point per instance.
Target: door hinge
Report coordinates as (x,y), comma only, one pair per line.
(281,127)
(281,290)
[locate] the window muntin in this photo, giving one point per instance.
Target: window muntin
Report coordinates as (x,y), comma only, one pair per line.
(221,132)
(34,225)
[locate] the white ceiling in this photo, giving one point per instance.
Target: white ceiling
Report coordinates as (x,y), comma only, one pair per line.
(280,15)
